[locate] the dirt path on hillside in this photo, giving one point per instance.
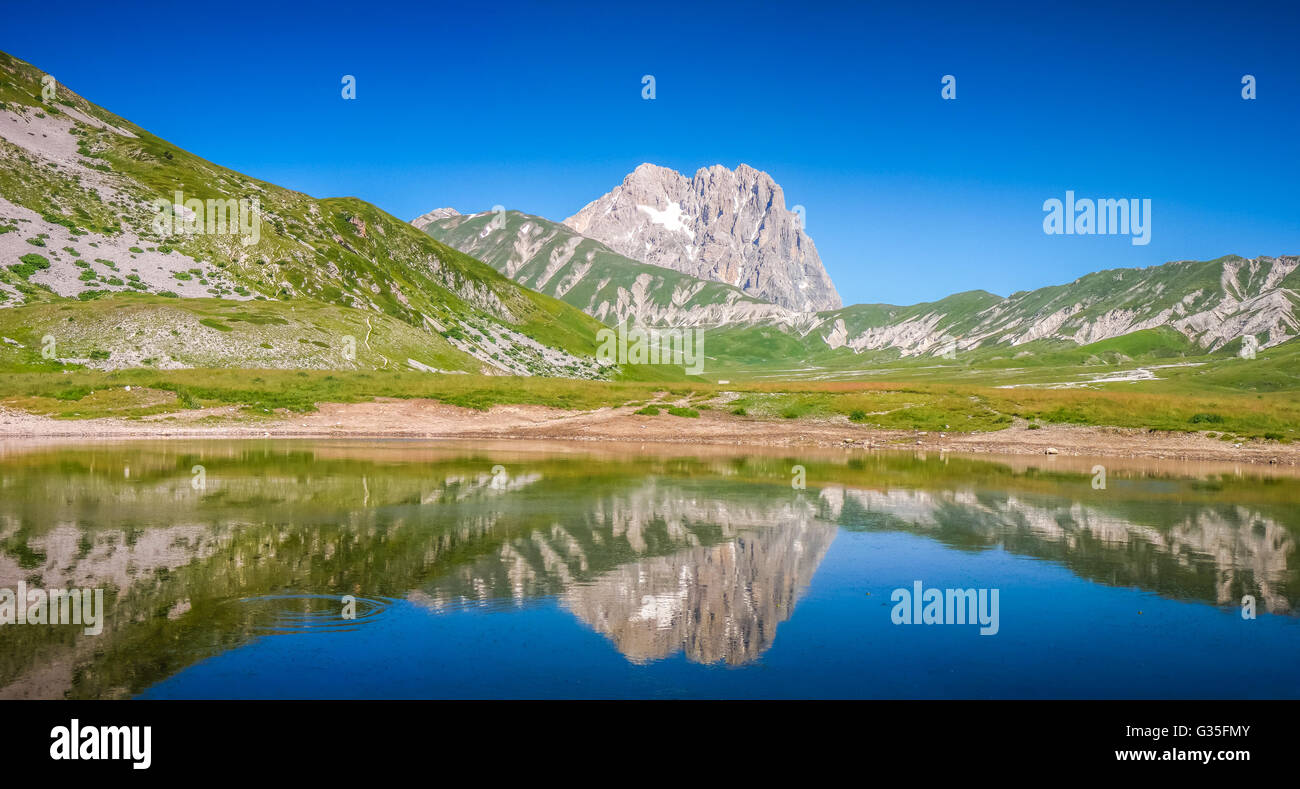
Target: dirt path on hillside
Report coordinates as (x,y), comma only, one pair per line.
(389,418)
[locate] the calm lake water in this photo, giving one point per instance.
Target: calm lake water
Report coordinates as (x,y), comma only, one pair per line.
(494,571)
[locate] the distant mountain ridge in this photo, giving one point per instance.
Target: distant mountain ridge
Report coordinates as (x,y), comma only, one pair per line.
(1212,304)
(719,225)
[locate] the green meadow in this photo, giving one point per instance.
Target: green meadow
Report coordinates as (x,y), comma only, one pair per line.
(1227,397)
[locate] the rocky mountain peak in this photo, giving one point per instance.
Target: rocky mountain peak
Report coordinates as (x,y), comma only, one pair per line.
(723,225)
(424,220)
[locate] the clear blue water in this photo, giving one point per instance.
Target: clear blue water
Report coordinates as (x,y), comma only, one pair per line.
(575,575)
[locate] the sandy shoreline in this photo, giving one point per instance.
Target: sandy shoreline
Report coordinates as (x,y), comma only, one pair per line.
(428,419)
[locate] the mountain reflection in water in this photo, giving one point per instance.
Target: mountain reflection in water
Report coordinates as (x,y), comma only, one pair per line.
(700,558)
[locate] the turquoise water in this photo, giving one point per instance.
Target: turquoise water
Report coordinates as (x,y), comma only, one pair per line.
(303,569)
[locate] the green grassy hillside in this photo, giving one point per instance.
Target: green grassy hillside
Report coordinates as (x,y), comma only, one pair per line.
(87,203)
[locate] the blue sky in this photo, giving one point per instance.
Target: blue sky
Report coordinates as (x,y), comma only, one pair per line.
(537,106)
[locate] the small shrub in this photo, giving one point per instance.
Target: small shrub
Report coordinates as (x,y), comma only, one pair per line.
(187,399)
(31,263)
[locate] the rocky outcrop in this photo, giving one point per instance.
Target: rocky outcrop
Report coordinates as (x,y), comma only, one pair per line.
(720,225)
(423,220)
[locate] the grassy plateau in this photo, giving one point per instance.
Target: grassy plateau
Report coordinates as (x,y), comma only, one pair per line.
(1227,397)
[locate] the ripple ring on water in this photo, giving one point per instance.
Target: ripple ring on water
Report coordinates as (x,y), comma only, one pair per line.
(286,618)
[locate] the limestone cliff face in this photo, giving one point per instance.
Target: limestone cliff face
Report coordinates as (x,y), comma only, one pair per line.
(721,225)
